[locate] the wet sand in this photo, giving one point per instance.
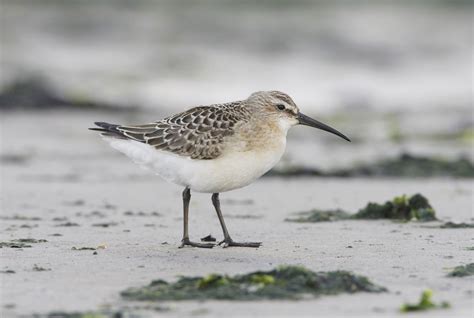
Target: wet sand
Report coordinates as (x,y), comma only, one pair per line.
(70,176)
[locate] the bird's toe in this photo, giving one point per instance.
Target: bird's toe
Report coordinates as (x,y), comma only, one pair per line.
(187,242)
(231,243)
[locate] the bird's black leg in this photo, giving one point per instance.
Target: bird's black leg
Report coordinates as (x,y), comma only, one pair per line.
(185,241)
(227,239)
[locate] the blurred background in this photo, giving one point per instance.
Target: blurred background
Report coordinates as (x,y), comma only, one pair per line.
(395,76)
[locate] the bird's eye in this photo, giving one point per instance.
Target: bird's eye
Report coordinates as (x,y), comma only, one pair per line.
(281,106)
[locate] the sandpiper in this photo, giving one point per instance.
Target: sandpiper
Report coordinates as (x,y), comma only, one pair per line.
(215,148)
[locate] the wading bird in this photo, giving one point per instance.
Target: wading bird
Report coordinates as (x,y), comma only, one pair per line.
(213,148)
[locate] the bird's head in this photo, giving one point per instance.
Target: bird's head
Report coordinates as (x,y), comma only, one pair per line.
(278,106)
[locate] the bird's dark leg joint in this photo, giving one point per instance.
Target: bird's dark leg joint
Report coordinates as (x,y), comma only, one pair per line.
(215,199)
(187,194)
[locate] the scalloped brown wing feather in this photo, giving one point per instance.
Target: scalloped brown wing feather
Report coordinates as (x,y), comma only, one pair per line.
(197,133)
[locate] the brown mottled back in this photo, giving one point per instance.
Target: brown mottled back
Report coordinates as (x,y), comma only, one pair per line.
(197,133)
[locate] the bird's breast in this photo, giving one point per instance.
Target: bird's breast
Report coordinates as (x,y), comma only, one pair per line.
(234,170)
(241,162)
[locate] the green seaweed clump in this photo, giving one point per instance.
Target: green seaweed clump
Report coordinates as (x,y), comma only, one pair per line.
(403,208)
(425,303)
(406,208)
(288,282)
(212,281)
(462,271)
(317,215)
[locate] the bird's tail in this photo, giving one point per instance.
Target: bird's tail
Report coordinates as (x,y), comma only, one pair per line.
(108,130)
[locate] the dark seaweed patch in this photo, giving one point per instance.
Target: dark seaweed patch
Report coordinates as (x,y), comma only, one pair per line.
(21,243)
(67,224)
(105,224)
(61,314)
(85,248)
(141,213)
(462,271)
(425,303)
(28,226)
(60,219)
(403,208)
(452,225)
(37,268)
(122,311)
(35,94)
(30,240)
(404,166)
(19,218)
(92,214)
(317,215)
(14,245)
(288,282)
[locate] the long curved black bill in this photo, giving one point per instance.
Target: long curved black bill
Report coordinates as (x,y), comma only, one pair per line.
(308,121)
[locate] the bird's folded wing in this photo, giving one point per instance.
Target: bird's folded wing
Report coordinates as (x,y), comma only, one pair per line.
(197,133)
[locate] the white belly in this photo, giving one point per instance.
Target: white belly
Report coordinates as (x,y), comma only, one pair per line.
(229,171)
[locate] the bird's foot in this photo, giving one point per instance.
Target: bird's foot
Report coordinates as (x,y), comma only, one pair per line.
(187,242)
(229,242)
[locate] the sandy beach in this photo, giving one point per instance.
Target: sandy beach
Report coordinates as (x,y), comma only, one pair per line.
(74,192)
